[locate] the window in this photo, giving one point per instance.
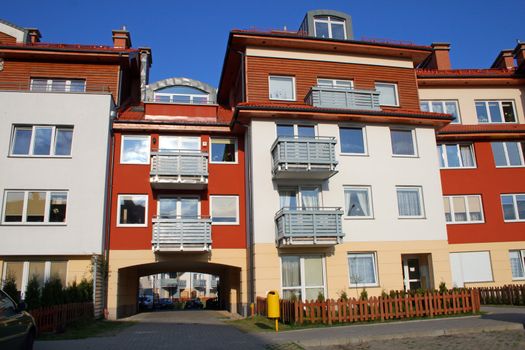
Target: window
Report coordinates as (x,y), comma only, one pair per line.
(282,88)
(330,27)
(513,206)
(23,271)
(449,107)
(388,94)
(58,85)
(132,210)
(409,202)
(178,207)
(223,150)
(463,209)
(179,143)
(363,270)
(358,202)
(302,277)
(495,112)
(470,267)
(517,264)
(301,197)
(224,210)
(335,83)
(135,149)
(34,207)
(41,141)
(508,154)
(456,156)
(403,142)
(352,140)
(294,130)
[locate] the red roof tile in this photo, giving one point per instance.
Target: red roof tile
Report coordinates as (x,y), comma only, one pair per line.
(67,47)
(473,73)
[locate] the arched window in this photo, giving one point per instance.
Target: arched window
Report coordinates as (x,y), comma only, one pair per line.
(181,94)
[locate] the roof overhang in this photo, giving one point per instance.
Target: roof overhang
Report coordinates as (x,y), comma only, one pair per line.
(481,132)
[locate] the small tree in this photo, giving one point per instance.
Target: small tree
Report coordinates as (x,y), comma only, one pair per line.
(364,294)
(342,295)
(53,293)
(10,288)
(320,297)
(72,294)
(32,296)
(443,288)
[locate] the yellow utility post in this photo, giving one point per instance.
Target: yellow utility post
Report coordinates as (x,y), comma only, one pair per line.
(273,307)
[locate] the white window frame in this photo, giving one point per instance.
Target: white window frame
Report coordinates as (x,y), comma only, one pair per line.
(179,141)
(514,205)
(294,95)
(395,91)
(179,205)
(302,271)
(414,143)
(236,145)
(443,105)
(443,154)
(421,202)
(506,154)
(370,201)
(521,253)
(299,194)
(49,84)
(24,221)
(365,140)
(52,146)
(500,105)
(376,274)
(335,84)
(467,208)
(329,21)
(132,136)
(146,218)
(237,211)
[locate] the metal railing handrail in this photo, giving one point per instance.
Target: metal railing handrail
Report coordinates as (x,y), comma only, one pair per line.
(311,210)
(178,152)
(303,139)
(173,218)
(27,86)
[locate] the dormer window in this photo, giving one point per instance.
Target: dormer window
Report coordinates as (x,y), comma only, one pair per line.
(181,94)
(330,27)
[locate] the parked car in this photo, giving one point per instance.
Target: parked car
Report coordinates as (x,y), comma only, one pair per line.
(195,303)
(212,304)
(17,326)
(146,302)
(166,303)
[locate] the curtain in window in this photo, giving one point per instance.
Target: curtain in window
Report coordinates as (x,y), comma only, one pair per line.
(408,201)
(474,207)
(288,199)
(357,202)
(460,210)
(362,269)
(516,264)
(309,198)
(291,271)
(466,156)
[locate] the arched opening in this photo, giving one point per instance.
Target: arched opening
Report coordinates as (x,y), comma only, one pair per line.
(181,90)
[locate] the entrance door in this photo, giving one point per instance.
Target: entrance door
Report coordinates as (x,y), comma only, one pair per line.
(411,273)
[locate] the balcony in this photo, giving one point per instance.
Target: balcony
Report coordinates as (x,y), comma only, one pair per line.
(181,234)
(308,227)
(199,283)
(181,284)
(179,170)
(169,283)
(344,98)
(304,157)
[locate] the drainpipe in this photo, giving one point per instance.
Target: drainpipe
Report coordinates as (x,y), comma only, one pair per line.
(249,211)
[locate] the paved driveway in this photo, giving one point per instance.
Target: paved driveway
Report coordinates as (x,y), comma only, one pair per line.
(167,330)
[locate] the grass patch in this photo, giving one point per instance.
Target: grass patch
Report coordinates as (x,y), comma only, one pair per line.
(88,328)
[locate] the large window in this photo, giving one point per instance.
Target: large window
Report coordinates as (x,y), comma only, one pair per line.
(449,107)
(281,88)
(352,140)
(495,112)
(178,207)
(224,210)
(330,27)
(335,83)
(135,149)
(410,202)
(508,154)
(299,197)
(295,130)
(223,150)
(23,271)
(470,267)
(403,142)
(302,277)
(58,85)
(41,141)
(132,210)
(179,143)
(456,156)
(517,264)
(362,269)
(513,206)
(388,94)
(34,207)
(358,202)
(463,209)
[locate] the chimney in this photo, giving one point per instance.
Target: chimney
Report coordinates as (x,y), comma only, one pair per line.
(519,54)
(440,58)
(121,38)
(505,60)
(33,35)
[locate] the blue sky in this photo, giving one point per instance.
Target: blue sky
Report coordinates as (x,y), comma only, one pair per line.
(188,38)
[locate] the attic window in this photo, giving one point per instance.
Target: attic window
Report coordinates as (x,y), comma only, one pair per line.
(330,27)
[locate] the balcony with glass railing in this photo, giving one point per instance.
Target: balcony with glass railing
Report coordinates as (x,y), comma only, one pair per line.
(343,98)
(320,226)
(179,169)
(295,157)
(171,234)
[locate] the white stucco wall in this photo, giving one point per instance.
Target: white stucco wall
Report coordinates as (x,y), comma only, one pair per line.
(379,169)
(83,174)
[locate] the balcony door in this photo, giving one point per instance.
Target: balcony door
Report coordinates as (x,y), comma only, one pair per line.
(171,207)
(299,198)
(179,143)
(295,130)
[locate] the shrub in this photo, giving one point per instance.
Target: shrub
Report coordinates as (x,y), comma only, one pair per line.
(53,293)
(343,295)
(443,288)
(320,297)
(293,297)
(384,294)
(32,296)
(364,294)
(72,294)
(10,288)
(85,290)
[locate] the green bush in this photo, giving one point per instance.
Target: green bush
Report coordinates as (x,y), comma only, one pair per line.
(364,294)
(33,295)
(342,295)
(85,289)
(320,297)
(53,293)
(443,288)
(10,288)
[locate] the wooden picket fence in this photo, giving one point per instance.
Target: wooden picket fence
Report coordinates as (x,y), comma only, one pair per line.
(506,295)
(376,308)
(56,318)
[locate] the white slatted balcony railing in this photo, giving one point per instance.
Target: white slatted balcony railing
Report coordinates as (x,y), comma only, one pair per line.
(181,284)
(304,157)
(199,283)
(311,226)
(343,98)
(169,282)
(181,234)
(179,170)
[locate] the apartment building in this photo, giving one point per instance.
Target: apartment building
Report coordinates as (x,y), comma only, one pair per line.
(482,164)
(178,202)
(57,102)
(344,180)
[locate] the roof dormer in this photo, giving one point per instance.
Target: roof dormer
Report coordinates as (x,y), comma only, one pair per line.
(11,33)
(327,24)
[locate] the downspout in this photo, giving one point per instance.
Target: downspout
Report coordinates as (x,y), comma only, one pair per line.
(249,212)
